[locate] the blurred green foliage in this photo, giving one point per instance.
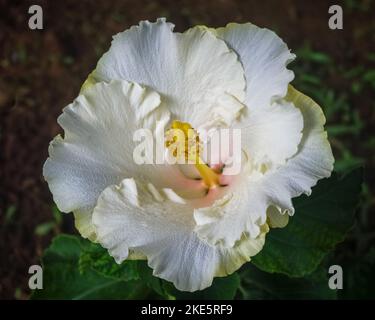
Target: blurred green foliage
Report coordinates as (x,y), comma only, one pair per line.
(51,226)
(313,70)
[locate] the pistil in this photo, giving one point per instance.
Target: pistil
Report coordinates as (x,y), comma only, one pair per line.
(191,154)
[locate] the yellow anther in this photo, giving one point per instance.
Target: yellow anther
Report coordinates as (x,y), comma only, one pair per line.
(191,150)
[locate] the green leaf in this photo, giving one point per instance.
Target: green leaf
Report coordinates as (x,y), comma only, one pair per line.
(44,228)
(369,76)
(57,215)
(320,222)
(310,79)
(256,284)
(340,129)
(354,72)
(347,161)
(64,279)
(97,258)
(221,289)
(156,284)
(314,56)
(319,57)
(10,214)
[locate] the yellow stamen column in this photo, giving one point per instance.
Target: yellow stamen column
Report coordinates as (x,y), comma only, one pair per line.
(191,147)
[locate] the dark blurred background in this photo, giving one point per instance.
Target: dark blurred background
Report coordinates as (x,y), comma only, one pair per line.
(41,71)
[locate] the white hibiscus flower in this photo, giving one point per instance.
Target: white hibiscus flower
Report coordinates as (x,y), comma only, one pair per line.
(189,230)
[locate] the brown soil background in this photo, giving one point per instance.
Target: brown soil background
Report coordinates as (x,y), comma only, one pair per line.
(42,71)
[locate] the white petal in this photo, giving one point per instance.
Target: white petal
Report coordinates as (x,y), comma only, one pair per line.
(239,213)
(128,217)
(271,127)
(271,134)
(245,210)
(264,57)
(194,72)
(97,150)
(313,161)
(83,223)
(276,217)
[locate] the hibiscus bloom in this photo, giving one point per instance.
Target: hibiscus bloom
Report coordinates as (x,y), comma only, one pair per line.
(191,222)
